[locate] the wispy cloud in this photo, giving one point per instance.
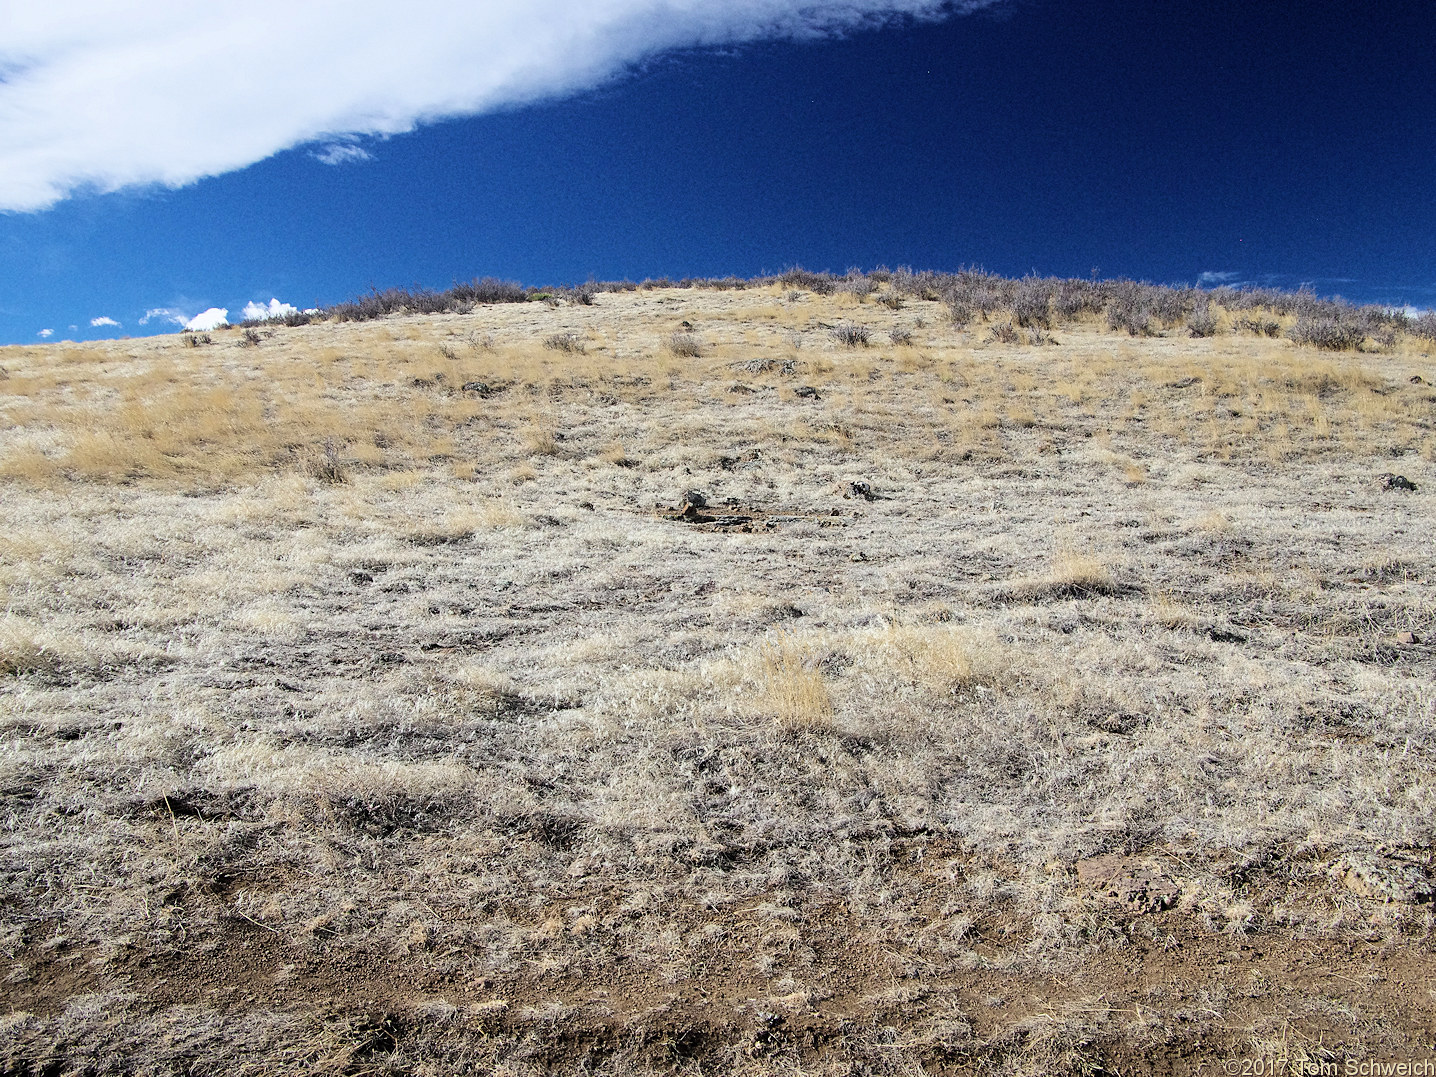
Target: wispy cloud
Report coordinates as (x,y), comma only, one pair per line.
(1212,278)
(103,322)
(341,153)
(101,96)
(164,314)
(46,333)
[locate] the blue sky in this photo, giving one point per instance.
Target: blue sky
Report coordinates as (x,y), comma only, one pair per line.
(290,151)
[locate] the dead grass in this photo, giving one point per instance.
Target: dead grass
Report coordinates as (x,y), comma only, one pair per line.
(480,726)
(792,691)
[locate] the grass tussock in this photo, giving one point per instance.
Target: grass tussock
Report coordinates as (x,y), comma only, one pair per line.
(1072,573)
(791,688)
(948,659)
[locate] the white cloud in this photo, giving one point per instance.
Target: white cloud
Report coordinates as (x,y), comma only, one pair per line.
(46,333)
(103,322)
(102,95)
(258,312)
(1212,277)
(165,314)
(341,153)
(213,318)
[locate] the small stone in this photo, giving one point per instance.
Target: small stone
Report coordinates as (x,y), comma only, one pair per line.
(860,489)
(695,499)
(1407,638)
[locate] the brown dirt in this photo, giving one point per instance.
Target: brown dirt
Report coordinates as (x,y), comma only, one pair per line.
(1164,995)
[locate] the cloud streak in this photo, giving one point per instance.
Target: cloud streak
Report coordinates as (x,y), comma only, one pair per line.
(102,96)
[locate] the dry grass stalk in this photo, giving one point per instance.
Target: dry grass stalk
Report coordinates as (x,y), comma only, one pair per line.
(792,691)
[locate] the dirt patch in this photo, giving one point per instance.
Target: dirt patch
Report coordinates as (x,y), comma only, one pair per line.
(1162,997)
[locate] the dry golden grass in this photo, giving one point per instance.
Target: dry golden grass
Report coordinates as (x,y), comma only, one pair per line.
(320,672)
(792,691)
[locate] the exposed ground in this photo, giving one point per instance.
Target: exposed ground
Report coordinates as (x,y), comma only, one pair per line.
(369,702)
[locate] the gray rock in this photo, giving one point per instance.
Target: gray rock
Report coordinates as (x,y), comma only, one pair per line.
(1395,482)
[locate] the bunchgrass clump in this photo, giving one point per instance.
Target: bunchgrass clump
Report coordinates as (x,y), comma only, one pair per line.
(684,345)
(792,691)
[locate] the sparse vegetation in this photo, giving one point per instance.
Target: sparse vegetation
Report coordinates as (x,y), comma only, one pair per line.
(684,345)
(852,335)
(1329,333)
(382,699)
(565,342)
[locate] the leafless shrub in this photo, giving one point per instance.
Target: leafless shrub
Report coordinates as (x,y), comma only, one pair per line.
(1202,323)
(488,291)
(818,283)
(1168,305)
(1328,333)
(1031,304)
(250,338)
(1258,326)
(326,466)
(852,335)
(194,340)
(859,285)
(900,336)
(580,295)
(1005,333)
(564,342)
(1129,310)
(1424,326)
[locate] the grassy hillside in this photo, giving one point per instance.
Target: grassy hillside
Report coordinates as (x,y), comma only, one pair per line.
(778,678)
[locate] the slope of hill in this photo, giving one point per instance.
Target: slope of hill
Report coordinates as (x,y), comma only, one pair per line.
(692,680)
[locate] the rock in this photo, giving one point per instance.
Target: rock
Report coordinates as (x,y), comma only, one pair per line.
(807,392)
(1407,638)
(1417,379)
(1389,481)
(1126,880)
(694,499)
(860,489)
(1382,879)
